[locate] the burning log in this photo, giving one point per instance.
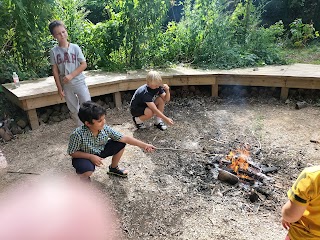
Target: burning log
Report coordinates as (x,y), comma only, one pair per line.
(225,176)
(239,163)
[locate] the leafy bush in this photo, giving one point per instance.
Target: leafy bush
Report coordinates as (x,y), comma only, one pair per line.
(301,33)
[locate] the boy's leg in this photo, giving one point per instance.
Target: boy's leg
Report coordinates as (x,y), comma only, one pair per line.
(114,149)
(84,167)
(83,93)
(159,102)
(72,103)
(140,115)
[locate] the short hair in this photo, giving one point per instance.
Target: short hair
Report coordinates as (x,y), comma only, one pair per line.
(55,23)
(153,77)
(90,111)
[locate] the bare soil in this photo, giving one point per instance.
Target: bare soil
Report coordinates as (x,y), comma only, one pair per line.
(175,194)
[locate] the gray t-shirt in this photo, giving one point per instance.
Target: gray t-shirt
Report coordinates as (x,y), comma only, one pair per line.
(68,59)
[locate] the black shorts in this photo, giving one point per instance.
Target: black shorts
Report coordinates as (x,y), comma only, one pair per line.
(83,165)
(138,111)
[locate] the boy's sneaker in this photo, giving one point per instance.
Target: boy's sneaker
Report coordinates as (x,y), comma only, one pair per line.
(118,172)
(161,126)
(138,125)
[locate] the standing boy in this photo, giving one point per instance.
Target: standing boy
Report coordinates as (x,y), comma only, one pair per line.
(92,142)
(149,100)
(301,213)
(68,63)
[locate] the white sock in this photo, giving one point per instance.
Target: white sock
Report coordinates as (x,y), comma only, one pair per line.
(158,120)
(138,120)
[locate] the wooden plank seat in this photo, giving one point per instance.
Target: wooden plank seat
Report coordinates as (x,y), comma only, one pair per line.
(42,92)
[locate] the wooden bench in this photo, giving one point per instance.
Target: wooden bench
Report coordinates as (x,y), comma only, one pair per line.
(42,92)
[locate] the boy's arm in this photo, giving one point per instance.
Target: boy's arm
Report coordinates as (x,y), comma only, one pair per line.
(138,143)
(96,160)
(76,72)
(158,113)
(291,212)
(55,72)
(166,95)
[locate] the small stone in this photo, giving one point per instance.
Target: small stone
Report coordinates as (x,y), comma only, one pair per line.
(112,105)
(64,108)
(44,117)
(22,123)
(55,118)
(56,107)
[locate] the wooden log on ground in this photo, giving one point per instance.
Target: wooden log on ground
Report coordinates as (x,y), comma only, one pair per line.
(225,176)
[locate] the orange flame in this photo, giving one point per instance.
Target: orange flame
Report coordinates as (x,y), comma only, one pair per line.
(239,160)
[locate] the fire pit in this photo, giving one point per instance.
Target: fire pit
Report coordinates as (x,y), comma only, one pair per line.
(238,167)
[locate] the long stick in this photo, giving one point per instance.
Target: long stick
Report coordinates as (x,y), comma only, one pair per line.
(23,172)
(185,150)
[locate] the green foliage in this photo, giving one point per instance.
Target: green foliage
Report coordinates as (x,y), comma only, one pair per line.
(301,33)
(140,24)
(23,38)
(134,34)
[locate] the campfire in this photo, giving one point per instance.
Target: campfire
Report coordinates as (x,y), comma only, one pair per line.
(238,166)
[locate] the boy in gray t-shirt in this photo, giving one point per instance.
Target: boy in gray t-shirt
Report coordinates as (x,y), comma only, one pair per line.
(68,63)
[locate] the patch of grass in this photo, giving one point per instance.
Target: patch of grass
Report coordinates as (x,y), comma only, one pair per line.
(309,54)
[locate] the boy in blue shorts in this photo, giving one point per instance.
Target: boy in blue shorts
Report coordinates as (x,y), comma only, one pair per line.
(149,100)
(93,141)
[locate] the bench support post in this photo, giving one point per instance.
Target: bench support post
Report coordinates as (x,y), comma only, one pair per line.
(33,118)
(284,93)
(214,89)
(117,99)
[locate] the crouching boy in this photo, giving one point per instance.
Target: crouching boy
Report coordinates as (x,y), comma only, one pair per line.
(149,100)
(92,142)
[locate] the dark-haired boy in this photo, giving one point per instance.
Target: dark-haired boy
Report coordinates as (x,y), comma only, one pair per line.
(92,142)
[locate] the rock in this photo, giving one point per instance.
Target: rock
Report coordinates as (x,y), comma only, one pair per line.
(27,128)
(5,134)
(56,113)
(112,105)
(15,129)
(192,89)
(49,111)
(56,107)
(22,123)
(100,102)
(64,108)
(55,118)
(107,99)
(44,117)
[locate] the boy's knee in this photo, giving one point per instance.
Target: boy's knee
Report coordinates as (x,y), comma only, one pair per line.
(148,112)
(159,100)
(86,174)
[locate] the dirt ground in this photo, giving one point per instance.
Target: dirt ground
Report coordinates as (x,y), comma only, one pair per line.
(175,194)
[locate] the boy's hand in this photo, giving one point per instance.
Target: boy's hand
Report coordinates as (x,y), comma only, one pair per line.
(96,160)
(285,224)
(166,87)
(169,121)
(149,148)
(61,94)
(67,78)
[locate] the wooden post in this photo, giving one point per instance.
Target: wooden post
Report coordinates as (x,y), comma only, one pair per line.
(214,89)
(117,99)
(33,118)
(284,93)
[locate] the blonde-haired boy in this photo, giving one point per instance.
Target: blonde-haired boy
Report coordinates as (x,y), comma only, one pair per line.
(149,100)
